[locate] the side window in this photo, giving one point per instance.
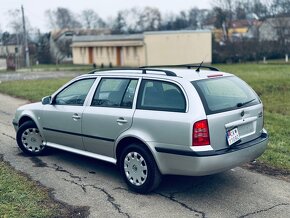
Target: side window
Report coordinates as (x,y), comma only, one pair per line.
(115,92)
(160,95)
(74,94)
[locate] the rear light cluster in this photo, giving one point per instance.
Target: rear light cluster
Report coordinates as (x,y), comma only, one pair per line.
(200,133)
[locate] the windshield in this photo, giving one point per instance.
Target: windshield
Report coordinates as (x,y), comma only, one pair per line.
(225,93)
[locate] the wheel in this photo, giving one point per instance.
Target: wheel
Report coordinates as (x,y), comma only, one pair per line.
(139,169)
(29,139)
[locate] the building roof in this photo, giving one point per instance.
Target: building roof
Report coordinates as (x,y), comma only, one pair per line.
(55,34)
(123,37)
(128,37)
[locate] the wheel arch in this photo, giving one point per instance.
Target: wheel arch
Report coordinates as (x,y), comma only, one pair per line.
(30,117)
(24,119)
(126,141)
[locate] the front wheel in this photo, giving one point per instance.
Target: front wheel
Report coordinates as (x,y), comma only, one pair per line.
(29,139)
(139,169)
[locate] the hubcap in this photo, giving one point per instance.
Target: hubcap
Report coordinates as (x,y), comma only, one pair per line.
(32,140)
(135,168)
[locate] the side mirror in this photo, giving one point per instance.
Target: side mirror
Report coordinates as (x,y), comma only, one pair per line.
(46,100)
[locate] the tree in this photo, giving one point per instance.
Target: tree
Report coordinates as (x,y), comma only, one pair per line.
(91,20)
(181,21)
(119,24)
(259,8)
(280,7)
(62,18)
(43,48)
(224,12)
(240,11)
(149,19)
(63,49)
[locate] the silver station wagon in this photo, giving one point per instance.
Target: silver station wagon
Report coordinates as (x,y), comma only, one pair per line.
(150,121)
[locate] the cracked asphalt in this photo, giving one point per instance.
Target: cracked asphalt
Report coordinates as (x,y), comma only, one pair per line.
(96,185)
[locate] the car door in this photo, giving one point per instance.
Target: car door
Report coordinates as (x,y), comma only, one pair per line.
(62,119)
(109,114)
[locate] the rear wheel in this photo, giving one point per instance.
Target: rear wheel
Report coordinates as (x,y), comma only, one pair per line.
(29,139)
(139,169)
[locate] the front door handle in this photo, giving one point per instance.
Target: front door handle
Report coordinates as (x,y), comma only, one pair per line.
(121,120)
(76,117)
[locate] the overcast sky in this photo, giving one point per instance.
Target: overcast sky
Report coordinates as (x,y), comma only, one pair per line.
(34,9)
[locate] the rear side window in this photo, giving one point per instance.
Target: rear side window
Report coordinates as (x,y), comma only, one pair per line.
(224,94)
(115,92)
(160,95)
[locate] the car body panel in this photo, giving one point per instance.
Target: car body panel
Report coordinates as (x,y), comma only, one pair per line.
(249,125)
(60,126)
(193,164)
(103,125)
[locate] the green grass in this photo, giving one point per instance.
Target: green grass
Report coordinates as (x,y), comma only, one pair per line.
(63,67)
(33,90)
(21,197)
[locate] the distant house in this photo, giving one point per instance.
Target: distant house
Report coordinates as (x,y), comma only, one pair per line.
(11,45)
(149,48)
(237,30)
(273,29)
(61,40)
(11,51)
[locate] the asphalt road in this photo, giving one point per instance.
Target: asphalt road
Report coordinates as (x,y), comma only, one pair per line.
(36,75)
(82,181)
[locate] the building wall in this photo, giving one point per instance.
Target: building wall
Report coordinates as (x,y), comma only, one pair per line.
(9,50)
(178,47)
(131,54)
(157,48)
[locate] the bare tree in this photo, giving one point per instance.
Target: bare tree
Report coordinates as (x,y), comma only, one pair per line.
(280,7)
(149,19)
(119,24)
(62,18)
(225,14)
(91,20)
(63,49)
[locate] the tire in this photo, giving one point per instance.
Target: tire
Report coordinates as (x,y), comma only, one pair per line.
(30,140)
(138,168)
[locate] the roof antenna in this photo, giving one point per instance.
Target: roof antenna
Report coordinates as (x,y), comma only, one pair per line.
(198,69)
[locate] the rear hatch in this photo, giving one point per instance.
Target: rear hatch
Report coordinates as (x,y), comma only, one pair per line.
(234,111)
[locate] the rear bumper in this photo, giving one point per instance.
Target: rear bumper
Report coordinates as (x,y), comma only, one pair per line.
(191,163)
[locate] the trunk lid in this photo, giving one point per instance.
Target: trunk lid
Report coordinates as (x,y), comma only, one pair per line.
(248,121)
(233,111)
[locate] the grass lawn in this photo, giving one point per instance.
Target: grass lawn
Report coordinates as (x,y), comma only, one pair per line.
(21,197)
(33,90)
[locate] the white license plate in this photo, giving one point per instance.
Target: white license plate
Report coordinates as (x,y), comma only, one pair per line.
(233,136)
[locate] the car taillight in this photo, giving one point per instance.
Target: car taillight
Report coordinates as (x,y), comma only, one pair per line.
(200,133)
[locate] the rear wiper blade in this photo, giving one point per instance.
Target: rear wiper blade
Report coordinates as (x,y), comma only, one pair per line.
(244,103)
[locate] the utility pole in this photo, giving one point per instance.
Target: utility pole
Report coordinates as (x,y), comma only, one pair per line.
(25,39)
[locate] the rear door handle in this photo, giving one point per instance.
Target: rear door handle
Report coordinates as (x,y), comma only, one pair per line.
(76,117)
(121,120)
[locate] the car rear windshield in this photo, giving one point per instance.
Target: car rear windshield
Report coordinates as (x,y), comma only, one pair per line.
(225,94)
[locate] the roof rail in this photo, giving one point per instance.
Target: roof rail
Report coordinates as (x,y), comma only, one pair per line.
(188,66)
(143,70)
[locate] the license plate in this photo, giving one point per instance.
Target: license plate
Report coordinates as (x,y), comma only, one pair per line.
(233,136)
